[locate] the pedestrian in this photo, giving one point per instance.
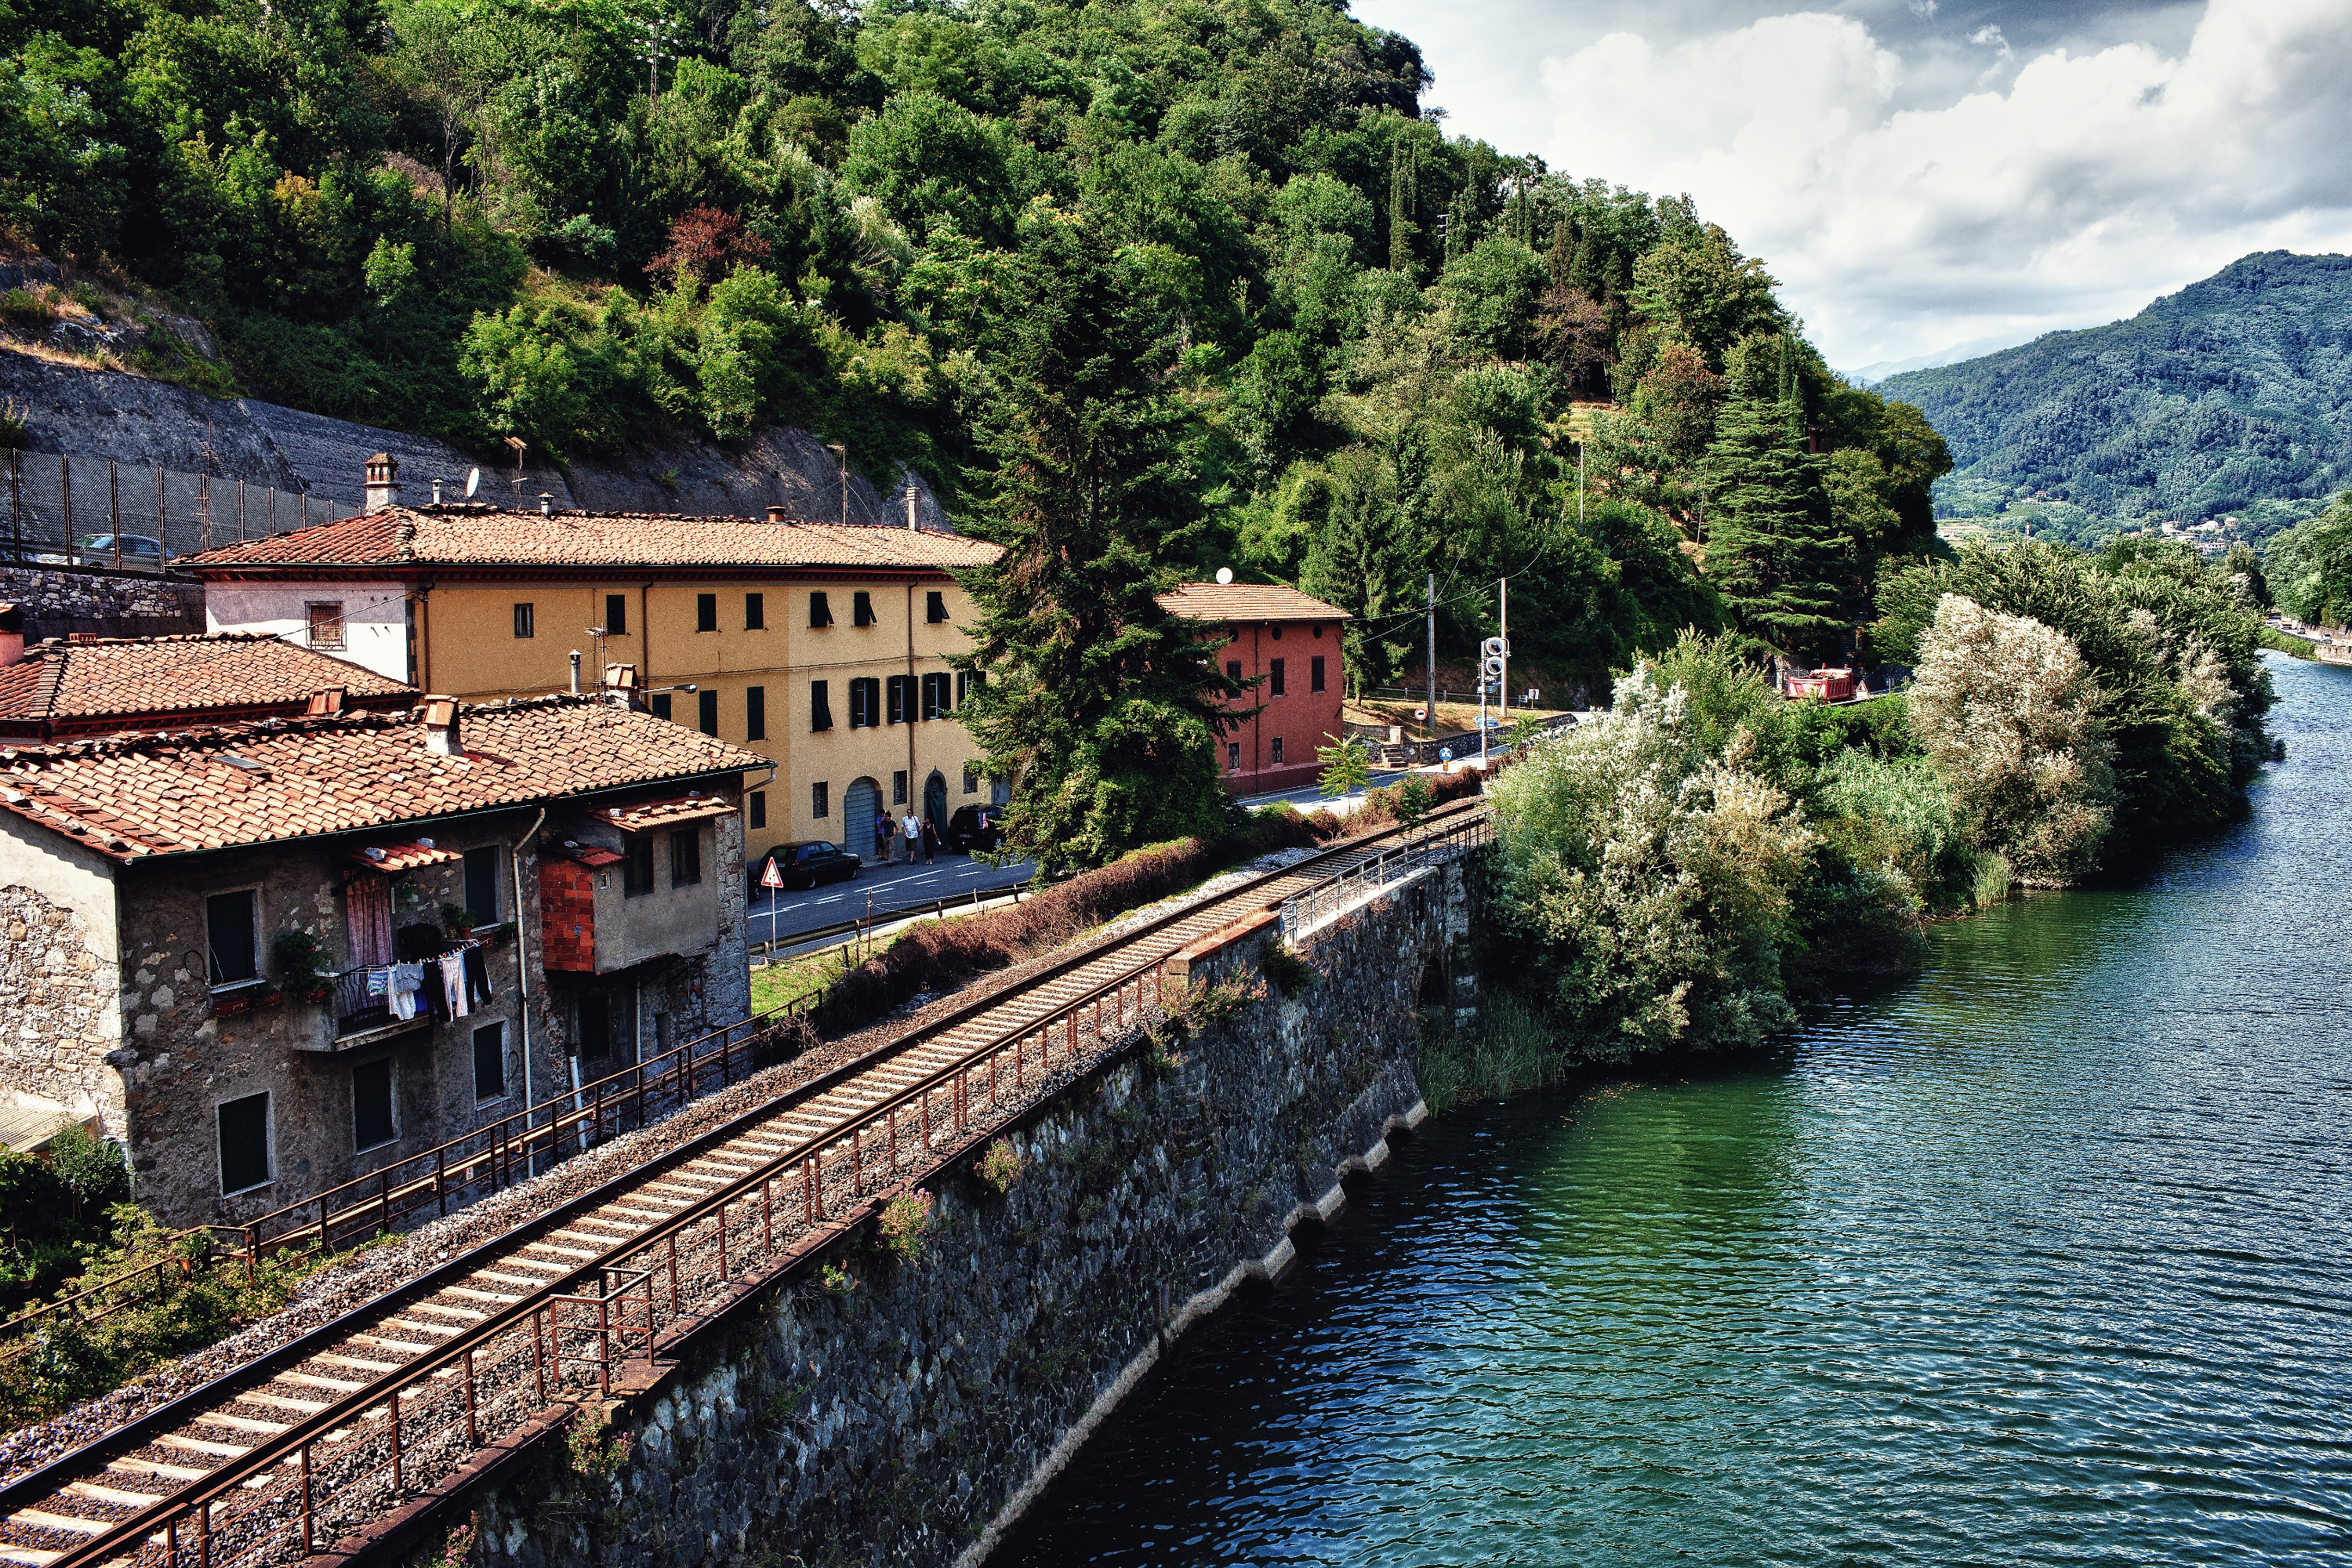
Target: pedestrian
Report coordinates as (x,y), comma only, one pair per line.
(930,840)
(912,828)
(883,835)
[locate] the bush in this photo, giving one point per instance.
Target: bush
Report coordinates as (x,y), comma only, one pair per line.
(23,307)
(1000,1166)
(904,1223)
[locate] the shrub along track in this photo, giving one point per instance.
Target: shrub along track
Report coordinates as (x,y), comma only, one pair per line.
(281,1454)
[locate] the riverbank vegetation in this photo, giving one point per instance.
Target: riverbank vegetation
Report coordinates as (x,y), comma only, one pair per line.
(2308,568)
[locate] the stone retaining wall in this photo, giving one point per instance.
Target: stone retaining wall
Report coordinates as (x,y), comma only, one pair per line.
(861,1409)
(59,600)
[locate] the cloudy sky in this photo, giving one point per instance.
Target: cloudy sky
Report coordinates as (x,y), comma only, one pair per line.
(1931,175)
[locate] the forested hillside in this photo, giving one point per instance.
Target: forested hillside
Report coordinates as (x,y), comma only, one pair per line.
(2234,391)
(1353,349)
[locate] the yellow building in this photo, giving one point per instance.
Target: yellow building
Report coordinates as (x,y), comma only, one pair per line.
(821,647)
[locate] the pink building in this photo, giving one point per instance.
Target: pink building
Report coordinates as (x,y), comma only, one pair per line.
(1293,642)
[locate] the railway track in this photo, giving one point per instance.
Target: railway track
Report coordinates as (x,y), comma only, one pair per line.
(283,1455)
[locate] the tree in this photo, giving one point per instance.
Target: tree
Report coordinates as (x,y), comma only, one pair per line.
(2309,567)
(1772,548)
(1101,709)
(1347,768)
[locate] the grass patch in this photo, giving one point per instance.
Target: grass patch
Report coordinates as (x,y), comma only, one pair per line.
(793,978)
(1509,1048)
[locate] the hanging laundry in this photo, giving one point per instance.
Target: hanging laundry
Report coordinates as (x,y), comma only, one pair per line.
(477,978)
(449,993)
(407,983)
(379,982)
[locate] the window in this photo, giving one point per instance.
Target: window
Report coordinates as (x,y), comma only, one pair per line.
(1232,669)
(755,611)
(1278,633)
(865,702)
(637,875)
(706,611)
(482,884)
(244,1143)
(936,689)
(759,803)
(820,706)
(902,700)
(232,949)
(371,1104)
(1233,755)
(1277,757)
(616,615)
(490,1062)
(820,800)
(861,608)
(1315,673)
(1273,676)
(595,1038)
(523,621)
(820,613)
(706,711)
(755,712)
(970,779)
(659,704)
(935,606)
(899,788)
(326,623)
(965,682)
(685,857)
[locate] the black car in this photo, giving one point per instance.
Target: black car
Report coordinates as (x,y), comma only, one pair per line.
(806,865)
(975,827)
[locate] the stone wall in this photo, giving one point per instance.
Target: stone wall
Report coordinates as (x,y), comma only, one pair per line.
(58,1020)
(59,600)
(860,1409)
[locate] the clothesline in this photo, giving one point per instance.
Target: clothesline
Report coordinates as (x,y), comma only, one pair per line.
(452,986)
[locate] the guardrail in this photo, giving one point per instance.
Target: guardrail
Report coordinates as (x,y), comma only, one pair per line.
(1312,906)
(767,946)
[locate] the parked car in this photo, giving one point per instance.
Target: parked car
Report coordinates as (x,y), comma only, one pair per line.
(138,549)
(806,865)
(975,827)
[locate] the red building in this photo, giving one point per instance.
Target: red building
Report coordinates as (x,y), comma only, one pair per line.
(1293,642)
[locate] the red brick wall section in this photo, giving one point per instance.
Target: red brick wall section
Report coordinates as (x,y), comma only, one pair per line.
(1301,716)
(567,909)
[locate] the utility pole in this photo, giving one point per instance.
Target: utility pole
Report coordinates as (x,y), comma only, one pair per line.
(1433,653)
(1503,682)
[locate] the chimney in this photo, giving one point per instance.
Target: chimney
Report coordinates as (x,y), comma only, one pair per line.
(575,672)
(12,634)
(436,493)
(441,727)
(911,523)
(546,504)
(383,482)
(325,701)
(776,514)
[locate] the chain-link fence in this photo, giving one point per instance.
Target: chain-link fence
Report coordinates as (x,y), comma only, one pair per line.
(95,512)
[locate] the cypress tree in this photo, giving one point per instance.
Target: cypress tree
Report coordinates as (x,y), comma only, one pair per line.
(1773,548)
(1103,710)
(1400,209)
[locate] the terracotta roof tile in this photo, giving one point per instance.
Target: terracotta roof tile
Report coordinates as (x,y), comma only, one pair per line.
(127,680)
(641,816)
(485,536)
(1246,601)
(135,796)
(403,857)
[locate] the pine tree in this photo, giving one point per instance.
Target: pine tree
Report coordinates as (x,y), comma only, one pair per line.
(1103,710)
(1773,550)
(1401,191)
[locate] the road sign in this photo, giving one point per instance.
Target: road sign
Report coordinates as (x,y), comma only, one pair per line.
(772,878)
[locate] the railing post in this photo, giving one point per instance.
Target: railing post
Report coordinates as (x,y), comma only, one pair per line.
(812,1174)
(204,1533)
(603,1341)
(473,1428)
(673,1274)
(539,1362)
(306,1537)
(725,1273)
(392,1417)
(768,1212)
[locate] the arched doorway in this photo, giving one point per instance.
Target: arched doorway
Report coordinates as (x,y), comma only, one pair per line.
(860,802)
(935,801)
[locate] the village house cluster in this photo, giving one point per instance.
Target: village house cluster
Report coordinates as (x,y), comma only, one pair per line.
(452,809)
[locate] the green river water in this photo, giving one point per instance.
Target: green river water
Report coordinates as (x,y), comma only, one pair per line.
(2041,1258)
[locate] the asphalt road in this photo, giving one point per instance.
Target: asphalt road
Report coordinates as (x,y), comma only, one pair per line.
(953,875)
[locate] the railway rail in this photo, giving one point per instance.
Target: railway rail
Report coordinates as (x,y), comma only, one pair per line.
(299,1448)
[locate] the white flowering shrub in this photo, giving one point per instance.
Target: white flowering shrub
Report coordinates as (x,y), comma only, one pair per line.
(2009,714)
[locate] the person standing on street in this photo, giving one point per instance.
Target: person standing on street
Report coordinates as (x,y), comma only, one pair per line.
(930,840)
(883,835)
(911,827)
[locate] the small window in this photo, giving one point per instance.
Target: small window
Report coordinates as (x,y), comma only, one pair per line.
(820,706)
(861,608)
(685,857)
(935,704)
(372,1105)
(970,779)
(963,686)
(902,706)
(865,702)
(820,613)
(326,622)
(637,875)
(596,1028)
(482,884)
(1233,755)
(706,711)
(755,712)
(232,946)
(658,705)
(755,611)
(523,621)
(490,1062)
(244,1143)
(935,606)
(820,799)
(616,615)
(1315,673)
(706,611)
(1232,669)
(1273,676)
(899,788)
(1276,755)
(759,803)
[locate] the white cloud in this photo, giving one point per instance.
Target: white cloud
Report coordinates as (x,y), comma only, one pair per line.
(2087,185)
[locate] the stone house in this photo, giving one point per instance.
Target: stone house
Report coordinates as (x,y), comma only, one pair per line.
(227,945)
(1288,642)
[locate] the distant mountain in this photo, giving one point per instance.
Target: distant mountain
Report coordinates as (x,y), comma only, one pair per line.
(1951,354)
(2235,390)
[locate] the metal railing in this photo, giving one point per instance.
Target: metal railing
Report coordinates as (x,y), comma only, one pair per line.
(1310,907)
(765,948)
(58,506)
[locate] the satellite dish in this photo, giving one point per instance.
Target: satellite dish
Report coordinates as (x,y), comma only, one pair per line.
(473,482)
(1224,576)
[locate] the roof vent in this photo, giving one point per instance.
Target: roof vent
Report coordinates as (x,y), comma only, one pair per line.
(325,701)
(436,493)
(546,504)
(383,481)
(441,727)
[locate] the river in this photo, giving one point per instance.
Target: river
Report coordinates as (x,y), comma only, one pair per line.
(2041,1258)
